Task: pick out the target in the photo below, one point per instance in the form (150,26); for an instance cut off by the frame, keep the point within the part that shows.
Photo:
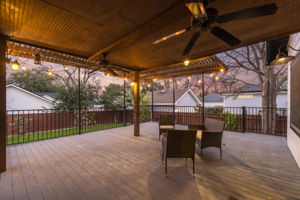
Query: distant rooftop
(214,97)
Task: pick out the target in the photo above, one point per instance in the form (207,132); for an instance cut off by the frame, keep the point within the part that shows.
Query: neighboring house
(20,99)
(251,96)
(213,100)
(184,99)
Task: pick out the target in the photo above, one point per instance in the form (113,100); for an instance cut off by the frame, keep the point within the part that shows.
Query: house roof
(254,89)
(213,98)
(28,92)
(166,97)
(50,94)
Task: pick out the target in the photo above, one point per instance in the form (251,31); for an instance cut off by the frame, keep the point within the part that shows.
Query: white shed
(20,99)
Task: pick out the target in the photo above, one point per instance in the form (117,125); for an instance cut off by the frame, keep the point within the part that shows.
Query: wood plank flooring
(113,164)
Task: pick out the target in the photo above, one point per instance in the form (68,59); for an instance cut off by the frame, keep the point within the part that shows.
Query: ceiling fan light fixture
(197,9)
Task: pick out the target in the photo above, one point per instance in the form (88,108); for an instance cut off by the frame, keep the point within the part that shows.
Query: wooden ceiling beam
(169,15)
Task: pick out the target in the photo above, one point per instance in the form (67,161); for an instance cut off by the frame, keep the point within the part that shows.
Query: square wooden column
(136,111)
(3,40)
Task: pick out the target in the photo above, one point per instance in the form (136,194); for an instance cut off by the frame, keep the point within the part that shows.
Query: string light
(132,84)
(161,83)
(186,62)
(217,78)
(222,70)
(155,79)
(49,73)
(178,82)
(189,78)
(148,85)
(66,68)
(211,75)
(141,87)
(24,68)
(15,65)
(199,81)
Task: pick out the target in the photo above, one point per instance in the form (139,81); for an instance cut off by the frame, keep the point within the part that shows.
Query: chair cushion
(166,127)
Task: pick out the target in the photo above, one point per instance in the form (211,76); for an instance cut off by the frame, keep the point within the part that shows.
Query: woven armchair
(212,134)
(166,122)
(179,144)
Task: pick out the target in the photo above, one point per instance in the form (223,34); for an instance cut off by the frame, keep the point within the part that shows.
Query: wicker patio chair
(179,144)
(166,122)
(212,134)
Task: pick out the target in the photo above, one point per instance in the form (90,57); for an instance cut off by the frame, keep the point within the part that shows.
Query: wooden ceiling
(126,29)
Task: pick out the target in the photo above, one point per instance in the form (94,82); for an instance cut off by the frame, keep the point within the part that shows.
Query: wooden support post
(173,80)
(136,112)
(79,101)
(152,108)
(203,102)
(124,101)
(3,40)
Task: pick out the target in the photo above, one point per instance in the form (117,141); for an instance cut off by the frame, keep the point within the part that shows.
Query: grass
(30,137)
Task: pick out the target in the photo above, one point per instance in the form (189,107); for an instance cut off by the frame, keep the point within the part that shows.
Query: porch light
(282,56)
(15,65)
(186,62)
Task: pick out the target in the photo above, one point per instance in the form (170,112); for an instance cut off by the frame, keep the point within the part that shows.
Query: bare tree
(247,65)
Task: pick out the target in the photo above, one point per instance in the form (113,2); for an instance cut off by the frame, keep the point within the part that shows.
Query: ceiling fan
(105,64)
(206,19)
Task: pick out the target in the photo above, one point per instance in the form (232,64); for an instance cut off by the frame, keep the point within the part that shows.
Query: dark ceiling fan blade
(108,67)
(172,35)
(191,43)
(267,9)
(225,36)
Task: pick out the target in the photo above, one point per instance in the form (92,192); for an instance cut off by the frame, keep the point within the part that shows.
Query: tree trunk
(269,95)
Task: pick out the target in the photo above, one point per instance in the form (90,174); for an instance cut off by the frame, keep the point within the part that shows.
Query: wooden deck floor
(113,164)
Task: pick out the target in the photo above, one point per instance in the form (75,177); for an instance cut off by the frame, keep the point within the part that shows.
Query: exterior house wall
(17,99)
(186,100)
(214,104)
(293,140)
(255,101)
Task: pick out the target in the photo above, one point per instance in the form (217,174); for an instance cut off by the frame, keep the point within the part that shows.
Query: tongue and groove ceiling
(126,29)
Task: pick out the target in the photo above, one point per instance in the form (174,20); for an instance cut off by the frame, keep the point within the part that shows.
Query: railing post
(244,122)
(152,109)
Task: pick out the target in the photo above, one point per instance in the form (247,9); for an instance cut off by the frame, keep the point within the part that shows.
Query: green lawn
(57,133)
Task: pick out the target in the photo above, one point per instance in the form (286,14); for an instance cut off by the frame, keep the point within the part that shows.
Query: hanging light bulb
(24,68)
(217,78)
(186,62)
(211,75)
(199,81)
(189,78)
(178,82)
(132,84)
(222,69)
(161,83)
(148,85)
(141,87)
(49,73)
(65,67)
(15,65)
(37,59)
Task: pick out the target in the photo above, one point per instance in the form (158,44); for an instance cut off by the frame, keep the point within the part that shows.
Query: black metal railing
(32,125)
(243,119)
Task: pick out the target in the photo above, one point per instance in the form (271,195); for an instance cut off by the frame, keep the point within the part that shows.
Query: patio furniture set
(178,142)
